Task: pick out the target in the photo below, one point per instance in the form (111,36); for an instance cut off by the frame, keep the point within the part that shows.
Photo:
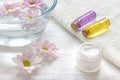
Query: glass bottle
(83,20)
(97,28)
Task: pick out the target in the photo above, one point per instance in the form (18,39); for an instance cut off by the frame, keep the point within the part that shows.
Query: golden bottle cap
(85,32)
(75,25)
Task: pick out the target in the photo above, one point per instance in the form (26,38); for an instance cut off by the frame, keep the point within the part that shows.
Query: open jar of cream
(88,57)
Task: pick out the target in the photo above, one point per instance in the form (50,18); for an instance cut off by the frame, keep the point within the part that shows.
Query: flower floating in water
(1,12)
(29,25)
(29,14)
(33,3)
(11,8)
(30,20)
(27,62)
(45,49)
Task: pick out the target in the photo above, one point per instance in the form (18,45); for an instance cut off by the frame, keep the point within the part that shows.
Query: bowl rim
(21,21)
(51,8)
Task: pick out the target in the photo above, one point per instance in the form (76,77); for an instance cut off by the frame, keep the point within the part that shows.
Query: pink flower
(33,3)
(29,14)
(12,8)
(29,20)
(45,49)
(28,25)
(1,12)
(27,62)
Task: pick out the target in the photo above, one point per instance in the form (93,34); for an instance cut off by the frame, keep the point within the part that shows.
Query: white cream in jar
(88,57)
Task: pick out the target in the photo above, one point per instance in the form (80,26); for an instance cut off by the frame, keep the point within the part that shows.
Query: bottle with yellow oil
(97,28)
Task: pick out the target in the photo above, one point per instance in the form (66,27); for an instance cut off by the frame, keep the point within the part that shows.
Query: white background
(63,68)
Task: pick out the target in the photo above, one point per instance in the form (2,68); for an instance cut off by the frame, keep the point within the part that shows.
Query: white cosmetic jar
(89,57)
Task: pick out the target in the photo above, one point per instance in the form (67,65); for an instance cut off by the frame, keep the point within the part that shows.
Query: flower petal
(18,60)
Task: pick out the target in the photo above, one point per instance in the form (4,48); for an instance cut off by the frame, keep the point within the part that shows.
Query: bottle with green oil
(98,28)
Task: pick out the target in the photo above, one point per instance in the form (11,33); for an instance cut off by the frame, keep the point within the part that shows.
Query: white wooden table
(64,67)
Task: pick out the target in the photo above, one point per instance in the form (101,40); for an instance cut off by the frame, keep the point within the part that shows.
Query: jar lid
(89,52)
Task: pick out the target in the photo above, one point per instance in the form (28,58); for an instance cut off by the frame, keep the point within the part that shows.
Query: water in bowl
(12,32)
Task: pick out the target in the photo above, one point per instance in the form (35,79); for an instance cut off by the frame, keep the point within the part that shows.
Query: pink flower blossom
(28,25)
(29,14)
(30,18)
(1,12)
(45,49)
(11,8)
(33,3)
(27,62)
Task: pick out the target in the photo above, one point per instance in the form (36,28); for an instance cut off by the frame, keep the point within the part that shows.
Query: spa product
(97,28)
(88,57)
(83,20)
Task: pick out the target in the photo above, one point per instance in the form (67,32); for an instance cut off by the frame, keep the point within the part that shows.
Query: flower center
(30,17)
(26,63)
(8,9)
(45,48)
(31,3)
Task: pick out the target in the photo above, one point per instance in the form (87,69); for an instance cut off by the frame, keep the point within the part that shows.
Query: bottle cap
(75,25)
(85,32)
